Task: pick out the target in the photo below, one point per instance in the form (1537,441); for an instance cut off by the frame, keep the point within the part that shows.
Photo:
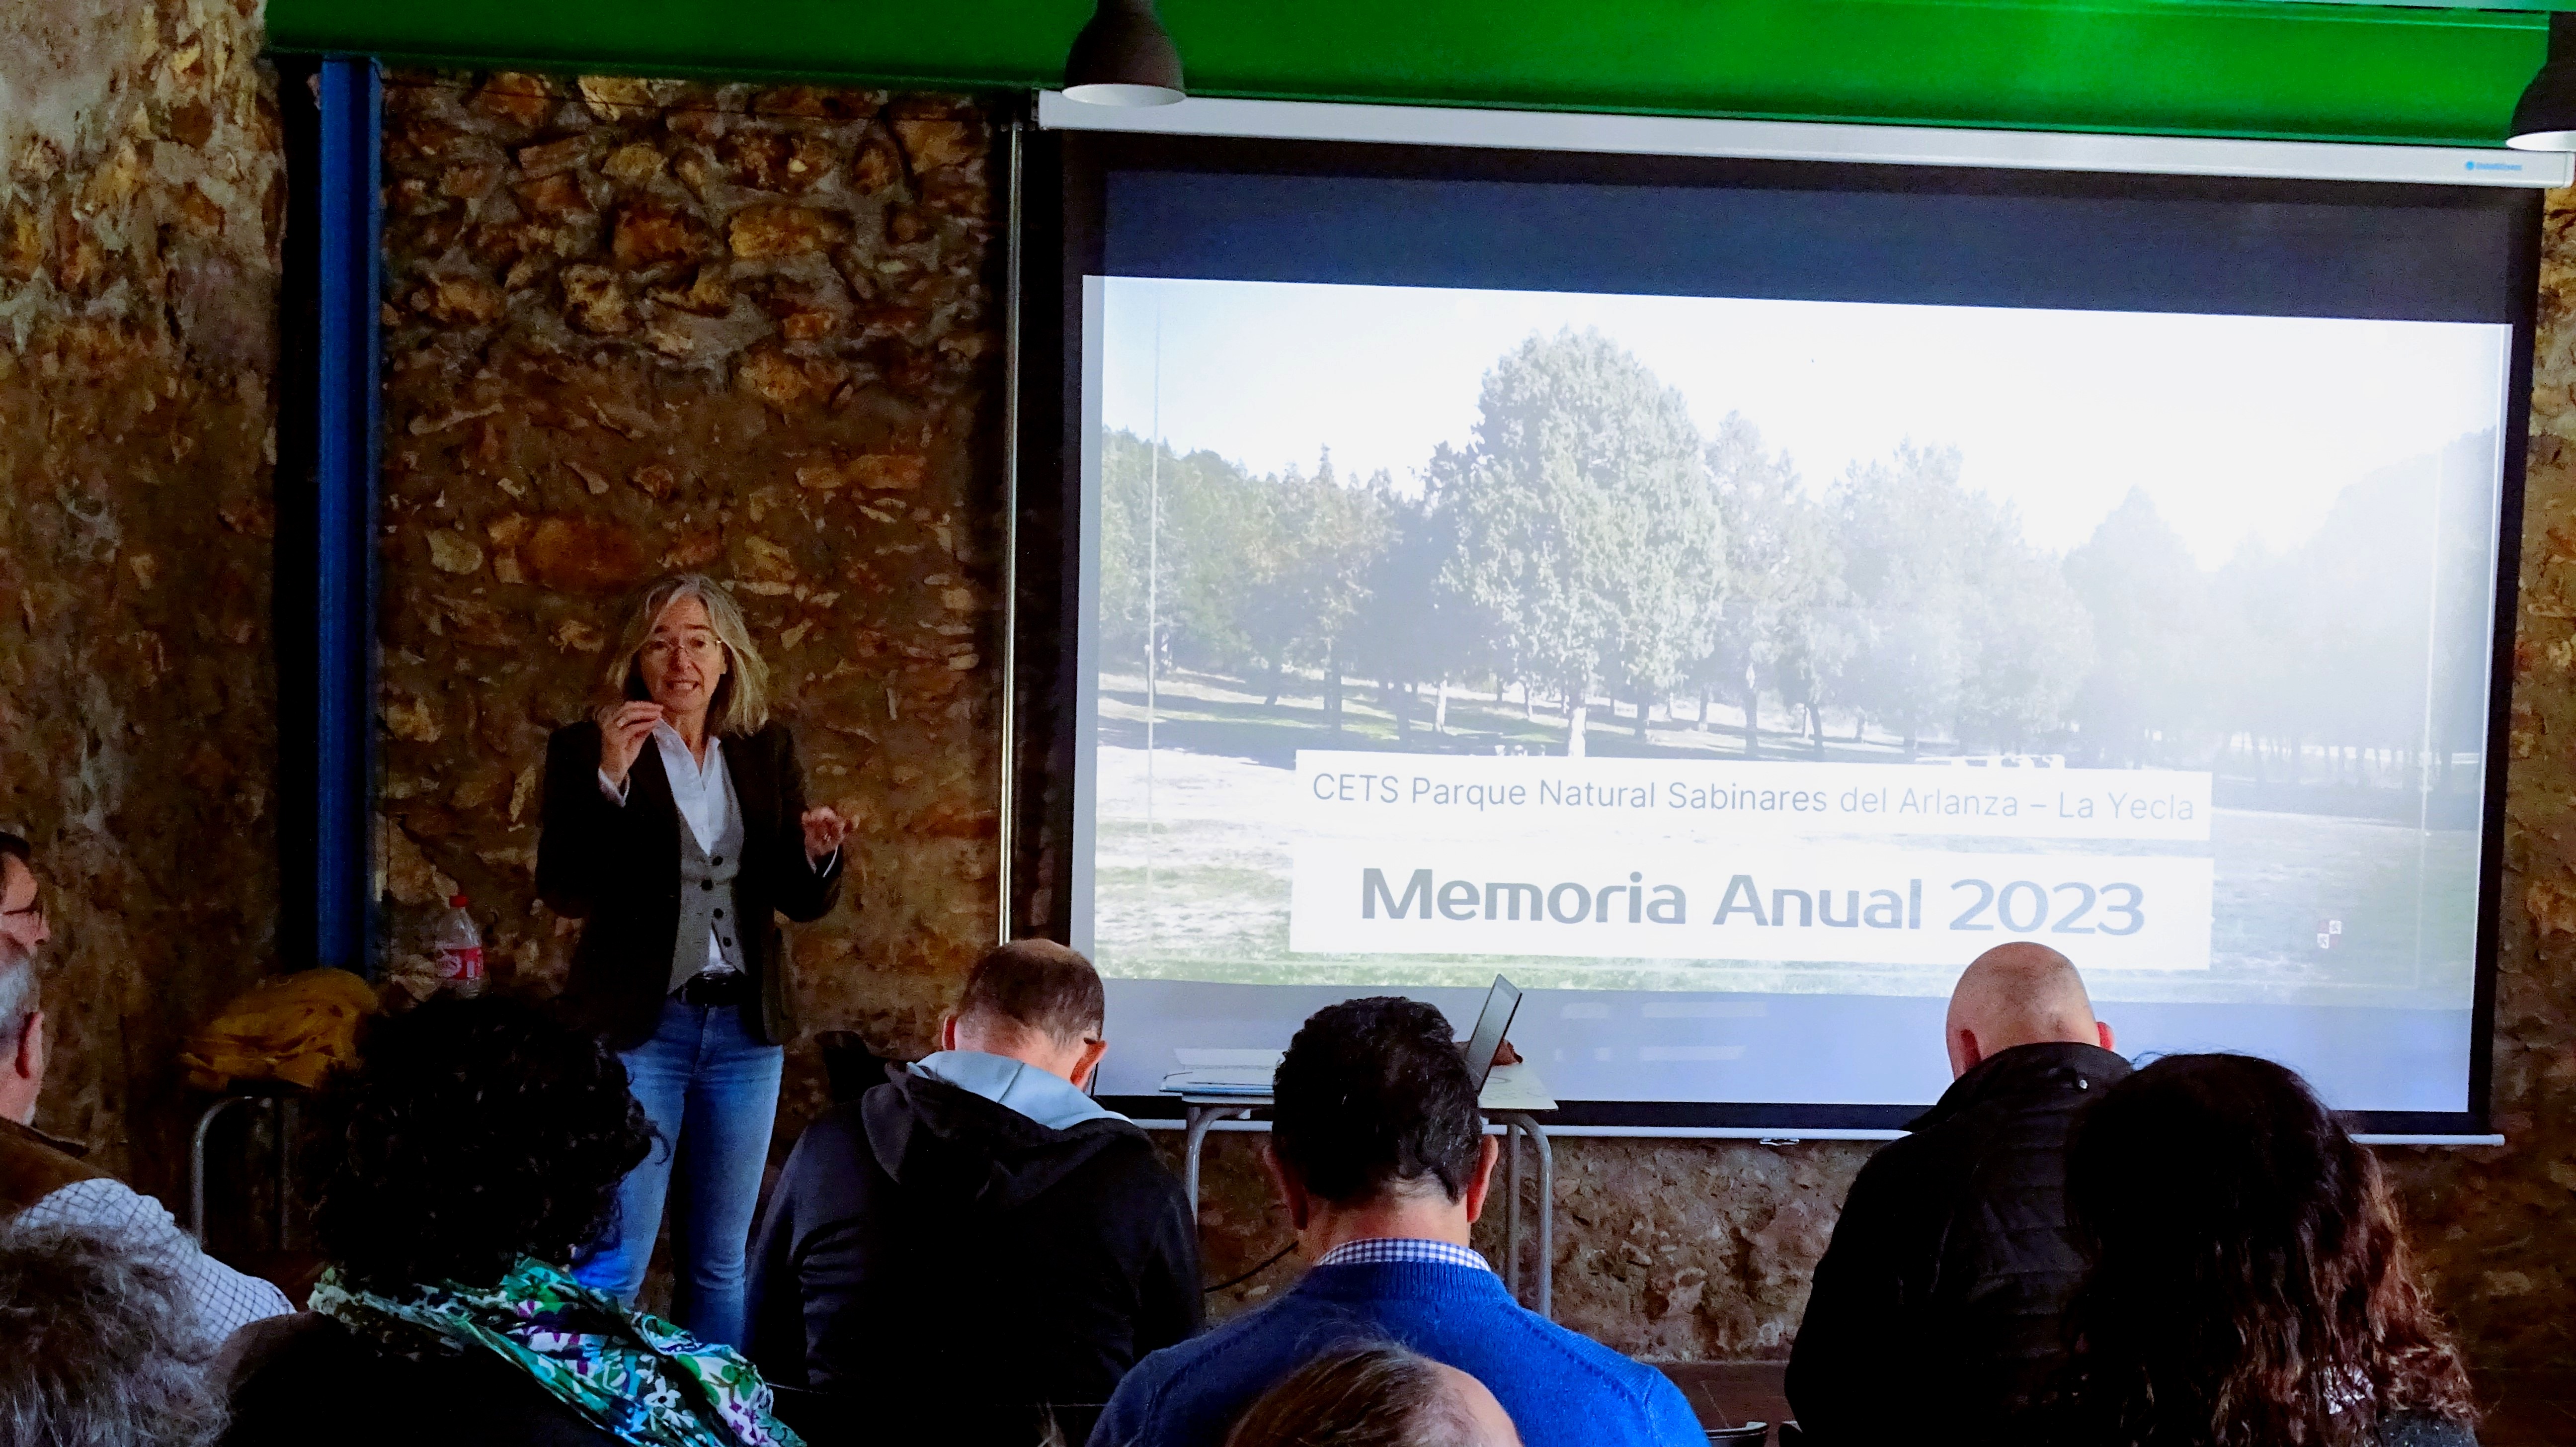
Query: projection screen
(1726,596)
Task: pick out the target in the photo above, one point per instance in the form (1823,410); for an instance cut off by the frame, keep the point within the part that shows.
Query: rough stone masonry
(639,326)
(142,199)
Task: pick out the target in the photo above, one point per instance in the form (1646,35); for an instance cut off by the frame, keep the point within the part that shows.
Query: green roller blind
(2194,67)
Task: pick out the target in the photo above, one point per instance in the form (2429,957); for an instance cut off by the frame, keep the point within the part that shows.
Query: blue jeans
(712,1093)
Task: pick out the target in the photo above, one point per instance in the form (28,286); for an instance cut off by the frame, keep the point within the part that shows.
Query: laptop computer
(1502,1002)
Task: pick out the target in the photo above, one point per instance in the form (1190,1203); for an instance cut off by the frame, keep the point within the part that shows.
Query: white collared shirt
(699,791)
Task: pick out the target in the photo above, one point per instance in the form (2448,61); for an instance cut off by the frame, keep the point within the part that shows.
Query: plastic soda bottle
(459,946)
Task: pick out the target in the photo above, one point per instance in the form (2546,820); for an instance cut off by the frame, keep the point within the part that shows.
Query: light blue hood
(1049,1100)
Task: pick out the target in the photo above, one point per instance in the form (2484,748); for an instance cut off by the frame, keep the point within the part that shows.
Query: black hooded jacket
(1936,1311)
(927,1244)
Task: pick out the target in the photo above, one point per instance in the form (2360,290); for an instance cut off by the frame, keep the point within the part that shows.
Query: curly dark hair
(1374,1094)
(2250,1285)
(470,1134)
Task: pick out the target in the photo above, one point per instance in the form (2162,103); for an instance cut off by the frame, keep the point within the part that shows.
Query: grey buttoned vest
(706,893)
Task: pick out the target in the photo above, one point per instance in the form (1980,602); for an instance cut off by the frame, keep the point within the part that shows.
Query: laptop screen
(1492,1023)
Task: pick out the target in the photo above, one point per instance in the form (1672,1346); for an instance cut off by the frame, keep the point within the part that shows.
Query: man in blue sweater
(1381,1158)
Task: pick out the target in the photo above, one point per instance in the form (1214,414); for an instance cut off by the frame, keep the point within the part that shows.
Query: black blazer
(619,868)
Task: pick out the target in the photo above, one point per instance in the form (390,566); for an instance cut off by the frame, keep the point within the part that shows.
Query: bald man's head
(2018,994)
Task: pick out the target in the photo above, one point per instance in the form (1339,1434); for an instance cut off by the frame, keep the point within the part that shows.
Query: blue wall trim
(349,182)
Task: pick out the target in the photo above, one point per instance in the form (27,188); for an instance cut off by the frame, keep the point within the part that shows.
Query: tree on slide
(1586,536)
(1772,602)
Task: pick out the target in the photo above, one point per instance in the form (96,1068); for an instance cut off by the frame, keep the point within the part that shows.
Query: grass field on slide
(1204,896)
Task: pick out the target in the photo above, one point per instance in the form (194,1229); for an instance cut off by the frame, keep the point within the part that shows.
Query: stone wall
(2492,1225)
(141,207)
(634,327)
(1671,1250)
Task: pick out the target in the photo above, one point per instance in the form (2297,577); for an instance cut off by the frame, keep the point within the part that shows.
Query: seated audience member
(1381,1159)
(94,1336)
(43,1181)
(2250,1281)
(977,1229)
(1375,1396)
(1938,1300)
(476,1144)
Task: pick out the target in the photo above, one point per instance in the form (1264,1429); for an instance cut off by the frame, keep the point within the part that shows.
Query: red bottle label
(458,965)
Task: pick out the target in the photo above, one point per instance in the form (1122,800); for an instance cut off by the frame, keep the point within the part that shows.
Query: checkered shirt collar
(1394,1250)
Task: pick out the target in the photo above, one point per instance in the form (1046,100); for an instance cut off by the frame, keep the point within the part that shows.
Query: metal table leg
(1517,1123)
(197,1163)
(1546,1219)
(1201,1117)
(282,1114)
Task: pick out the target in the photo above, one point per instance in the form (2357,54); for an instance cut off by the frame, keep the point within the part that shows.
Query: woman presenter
(676,827)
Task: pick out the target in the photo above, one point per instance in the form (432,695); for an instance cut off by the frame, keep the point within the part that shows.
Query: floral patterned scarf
(638,1376)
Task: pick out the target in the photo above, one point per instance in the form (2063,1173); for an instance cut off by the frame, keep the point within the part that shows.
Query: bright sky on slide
(2236,426)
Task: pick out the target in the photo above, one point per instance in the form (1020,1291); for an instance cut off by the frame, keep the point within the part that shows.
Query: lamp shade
(1124,57)
(2545,118)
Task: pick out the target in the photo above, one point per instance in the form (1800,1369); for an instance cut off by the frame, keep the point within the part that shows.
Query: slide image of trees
(1534,523)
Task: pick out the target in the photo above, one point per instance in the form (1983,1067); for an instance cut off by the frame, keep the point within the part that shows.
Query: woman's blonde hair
(741,703)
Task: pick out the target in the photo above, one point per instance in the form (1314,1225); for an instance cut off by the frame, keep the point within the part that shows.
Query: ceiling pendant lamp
(1124,57)
(2545,118)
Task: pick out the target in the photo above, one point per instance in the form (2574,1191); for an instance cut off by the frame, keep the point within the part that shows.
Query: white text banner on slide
(1770,903)
(1469,797)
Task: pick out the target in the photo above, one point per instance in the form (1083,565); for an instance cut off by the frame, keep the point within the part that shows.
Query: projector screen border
(1779,1123)
(1652,135)
(1760,1136)
(1064,177)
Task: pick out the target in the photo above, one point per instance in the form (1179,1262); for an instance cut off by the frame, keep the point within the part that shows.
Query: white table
(1513,1100)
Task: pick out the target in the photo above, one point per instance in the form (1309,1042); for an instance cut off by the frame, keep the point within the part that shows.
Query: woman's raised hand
(824,831)
(623,728)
